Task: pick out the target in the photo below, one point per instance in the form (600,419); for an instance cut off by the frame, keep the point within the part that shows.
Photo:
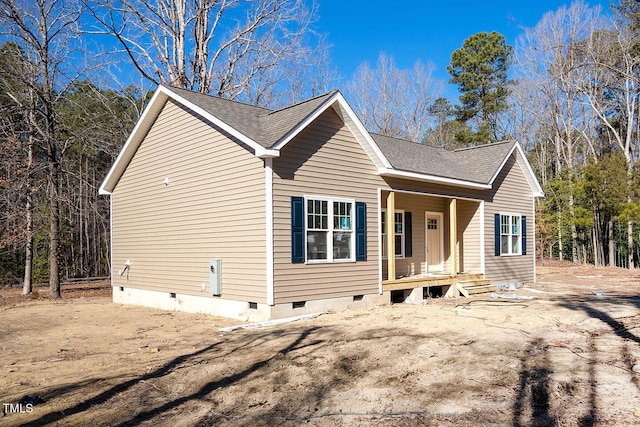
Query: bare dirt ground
(565,358)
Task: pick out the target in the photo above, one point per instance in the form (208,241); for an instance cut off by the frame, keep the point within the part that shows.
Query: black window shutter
(361,231)
(524,235)
(496,234)
(408,234)
(297,229)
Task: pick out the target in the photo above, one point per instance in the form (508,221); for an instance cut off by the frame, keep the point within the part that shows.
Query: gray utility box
(215,276)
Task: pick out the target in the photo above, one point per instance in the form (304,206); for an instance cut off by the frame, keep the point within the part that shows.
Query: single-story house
(231,209)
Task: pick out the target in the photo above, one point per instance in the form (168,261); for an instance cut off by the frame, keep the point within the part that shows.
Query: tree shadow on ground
(533,388)
(596,308)
(297,346)
(113,391)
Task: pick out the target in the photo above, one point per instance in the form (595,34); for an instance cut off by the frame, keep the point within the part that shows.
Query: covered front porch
(437,241)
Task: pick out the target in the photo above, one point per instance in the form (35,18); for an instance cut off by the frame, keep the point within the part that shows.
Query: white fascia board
(430,178)
(133,142)
(536,188)
(504,161)
(296,130)
(337,97)
(352,115)
(146,120)
(537,191)
(232,131)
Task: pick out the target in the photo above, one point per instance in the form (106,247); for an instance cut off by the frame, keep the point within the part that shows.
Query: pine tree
(479,68)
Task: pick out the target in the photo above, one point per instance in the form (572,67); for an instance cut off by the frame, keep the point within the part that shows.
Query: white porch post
(453,236)
(390,231)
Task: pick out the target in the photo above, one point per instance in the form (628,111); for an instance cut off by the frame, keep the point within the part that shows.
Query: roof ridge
(490,144)
(332,92)
(395,138)
(217,97)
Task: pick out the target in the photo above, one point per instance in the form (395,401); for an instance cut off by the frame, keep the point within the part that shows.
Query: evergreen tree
(479,68)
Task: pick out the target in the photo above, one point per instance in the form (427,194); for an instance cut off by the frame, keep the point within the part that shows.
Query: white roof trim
(367,136)
(296,130)
(145,122)
(536,188)
(431,178)
(231,130)
(127,145)
(337,97)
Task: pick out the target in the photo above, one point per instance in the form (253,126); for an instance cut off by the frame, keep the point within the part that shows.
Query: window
(329,230)
(510,234)
(399,230)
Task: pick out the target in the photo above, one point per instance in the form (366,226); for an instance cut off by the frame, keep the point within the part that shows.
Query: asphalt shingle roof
(483,161)
(475,164)
(262,125)
(267,127)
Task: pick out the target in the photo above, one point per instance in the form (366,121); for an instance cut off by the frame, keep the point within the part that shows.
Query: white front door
(434,241)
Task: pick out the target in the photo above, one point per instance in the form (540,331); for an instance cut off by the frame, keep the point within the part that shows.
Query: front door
(434,241)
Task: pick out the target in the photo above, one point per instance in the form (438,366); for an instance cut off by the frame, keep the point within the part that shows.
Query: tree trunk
(612,247)
(54,231)
(594,244)
(560,246)
(574,230)
(27,285)
(630,245)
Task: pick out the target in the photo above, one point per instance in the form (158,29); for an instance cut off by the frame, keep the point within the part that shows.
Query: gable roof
(473,167)
(264,126)
(476,165)
(267,131)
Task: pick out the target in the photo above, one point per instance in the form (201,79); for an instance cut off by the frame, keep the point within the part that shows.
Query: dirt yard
(566,357)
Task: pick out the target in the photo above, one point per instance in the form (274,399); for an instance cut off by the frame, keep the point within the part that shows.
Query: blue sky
(424,30)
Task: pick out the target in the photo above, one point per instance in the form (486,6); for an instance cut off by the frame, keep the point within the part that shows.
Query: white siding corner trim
(482,239)
(268,179)
(533,227)
(111,240)
(379,231)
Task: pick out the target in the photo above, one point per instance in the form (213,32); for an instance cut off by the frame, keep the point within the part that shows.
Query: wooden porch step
(477,286)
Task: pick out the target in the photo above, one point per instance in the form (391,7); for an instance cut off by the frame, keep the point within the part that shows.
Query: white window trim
(330,230)
(510,215)
(384,233)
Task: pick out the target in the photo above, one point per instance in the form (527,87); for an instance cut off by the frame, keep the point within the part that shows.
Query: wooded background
(568,90)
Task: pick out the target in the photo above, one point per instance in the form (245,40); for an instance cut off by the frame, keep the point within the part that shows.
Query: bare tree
(394,102)
(546,56)
(45,30)
(610,84)
(16,144)
(306,74)
(230,48)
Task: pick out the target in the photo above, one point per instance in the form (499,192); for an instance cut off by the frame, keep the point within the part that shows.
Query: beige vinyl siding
(512,194)
(213,207)
(323,160)
(469,224)
(417,205)
(469,238)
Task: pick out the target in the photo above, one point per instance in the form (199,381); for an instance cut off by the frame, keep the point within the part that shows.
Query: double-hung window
(399,234)
(329,229)
(510,234)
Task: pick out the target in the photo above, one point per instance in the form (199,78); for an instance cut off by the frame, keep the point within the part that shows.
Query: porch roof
(477,164)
